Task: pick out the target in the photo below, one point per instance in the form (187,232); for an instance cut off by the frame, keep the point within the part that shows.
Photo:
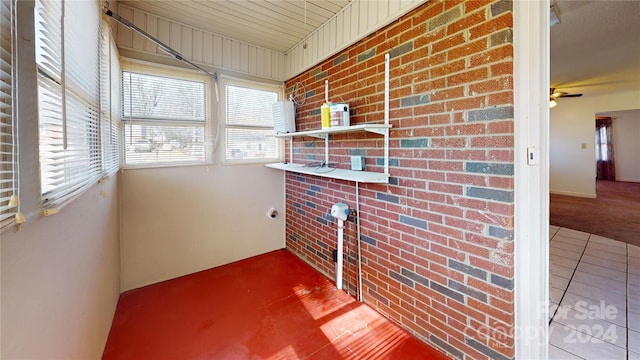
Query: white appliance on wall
(284,117)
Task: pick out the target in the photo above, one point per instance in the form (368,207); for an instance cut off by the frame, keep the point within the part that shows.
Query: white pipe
(340,250)
(358,242)
(326,91)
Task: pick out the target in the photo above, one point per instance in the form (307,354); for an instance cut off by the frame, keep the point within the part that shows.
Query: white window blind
(8,181)
(68,60)
(249,124)
(109,102)
(165,119)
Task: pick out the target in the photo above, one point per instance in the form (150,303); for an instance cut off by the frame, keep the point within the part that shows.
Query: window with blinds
(68,52)
(249,124)
(109,102)
(165,119)
(8,180)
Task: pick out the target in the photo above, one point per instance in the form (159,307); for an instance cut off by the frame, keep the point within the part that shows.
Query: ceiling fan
(553,95)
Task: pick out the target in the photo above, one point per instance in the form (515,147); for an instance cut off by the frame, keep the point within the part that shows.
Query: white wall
(626,144)
(60,274)
(60,280)
(572,169)
(180,220)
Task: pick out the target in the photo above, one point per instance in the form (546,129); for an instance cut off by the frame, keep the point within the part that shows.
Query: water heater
(284,117)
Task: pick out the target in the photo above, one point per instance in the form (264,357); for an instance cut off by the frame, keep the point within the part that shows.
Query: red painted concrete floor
(272,306)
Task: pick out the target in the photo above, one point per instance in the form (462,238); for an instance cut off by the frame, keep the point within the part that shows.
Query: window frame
(153,69)
(223,126)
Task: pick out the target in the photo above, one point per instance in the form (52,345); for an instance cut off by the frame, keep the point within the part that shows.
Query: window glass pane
(247,106)
(161,98)
(152,143)
(249,124)
(251,144)
(165,119)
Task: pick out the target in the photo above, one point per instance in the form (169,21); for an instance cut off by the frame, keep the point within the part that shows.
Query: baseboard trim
(628,180)
(569,193)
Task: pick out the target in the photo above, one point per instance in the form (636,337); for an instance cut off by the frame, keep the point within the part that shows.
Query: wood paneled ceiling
(273,24)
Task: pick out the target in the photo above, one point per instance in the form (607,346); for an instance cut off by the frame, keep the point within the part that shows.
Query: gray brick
(297,205)
(402,49)
(314,112)
(447,292)
(489,168)
(301,212)
(501,6)
(310,157)
(340,59)
(393,180)
(321,75)
(309,94)
(400,278)
(316,188)
(414,222)
(379,297)
(301,178)
(387,197)
(392,162)
(322,256)
(310,144)
(502,282)
(445,18)
(492,354)
(311,249)
(315,71)
(414,100)
(492,113)
(322,244)
(321,220)
(367,55)
(478,295)
(500,233)
(446,347)
(415,277)
(468,269)
(311,205)
(358,152)
(414,143)
(368,240)
(490,194)
(295,237)
(502,37)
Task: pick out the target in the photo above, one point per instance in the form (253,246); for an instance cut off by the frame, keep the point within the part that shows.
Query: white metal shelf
(333,173)
(343,174)
(381,129)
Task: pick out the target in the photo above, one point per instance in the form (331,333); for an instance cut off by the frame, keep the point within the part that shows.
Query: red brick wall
(437,241)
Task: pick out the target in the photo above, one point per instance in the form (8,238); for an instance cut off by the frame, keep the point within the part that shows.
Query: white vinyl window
(249,134)
(8,179)
(165,118)
(68,60)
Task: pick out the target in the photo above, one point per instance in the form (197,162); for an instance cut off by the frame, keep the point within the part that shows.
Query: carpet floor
(614,214)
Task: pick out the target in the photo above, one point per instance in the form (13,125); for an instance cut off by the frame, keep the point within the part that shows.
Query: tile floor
(594,297)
